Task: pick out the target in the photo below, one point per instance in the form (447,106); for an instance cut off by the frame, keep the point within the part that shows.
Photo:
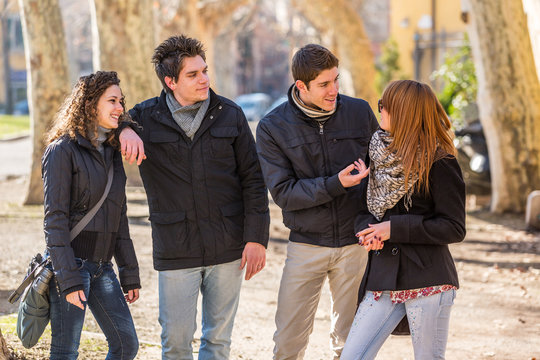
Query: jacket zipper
(326,162)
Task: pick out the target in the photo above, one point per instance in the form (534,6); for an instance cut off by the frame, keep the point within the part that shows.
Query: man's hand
(254,256)
(347,179)
(132,296)
(76,298)
(131,146)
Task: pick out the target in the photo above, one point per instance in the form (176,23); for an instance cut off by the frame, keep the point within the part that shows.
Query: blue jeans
(178,293)
(374,321)
(108,305)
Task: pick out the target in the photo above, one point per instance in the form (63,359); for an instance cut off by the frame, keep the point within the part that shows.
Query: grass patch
(93,345)
(13,125)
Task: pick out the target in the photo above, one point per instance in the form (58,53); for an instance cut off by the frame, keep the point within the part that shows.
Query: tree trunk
(532,9)
(48,79)
(4,351)
(204,22)
(508,99)
(344,28)
(123,34)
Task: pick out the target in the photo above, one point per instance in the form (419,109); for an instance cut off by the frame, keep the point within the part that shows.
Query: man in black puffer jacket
(307,147)
(207,199)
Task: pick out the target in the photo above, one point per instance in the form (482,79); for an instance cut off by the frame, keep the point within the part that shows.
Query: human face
(193,82)
(385,117)
(109,107)
(323,90)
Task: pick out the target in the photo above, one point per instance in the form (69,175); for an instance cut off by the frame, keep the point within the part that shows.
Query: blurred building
(12,63)
(425,31)
(76,18)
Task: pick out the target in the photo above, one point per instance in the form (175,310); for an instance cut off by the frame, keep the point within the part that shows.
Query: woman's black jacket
(417,254)
(74,179)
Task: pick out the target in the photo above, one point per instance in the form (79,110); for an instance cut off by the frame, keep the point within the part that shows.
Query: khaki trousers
(306,269)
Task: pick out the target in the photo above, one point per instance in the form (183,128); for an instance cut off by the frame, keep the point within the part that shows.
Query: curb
(14,137)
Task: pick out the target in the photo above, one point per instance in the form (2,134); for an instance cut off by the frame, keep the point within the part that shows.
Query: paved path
(15,157)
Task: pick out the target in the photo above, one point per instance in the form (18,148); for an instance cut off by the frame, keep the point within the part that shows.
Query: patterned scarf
(386,184)
(188,117)
(314,113)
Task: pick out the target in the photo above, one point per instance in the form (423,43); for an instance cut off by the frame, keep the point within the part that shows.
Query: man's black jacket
(207,197)
(301,158)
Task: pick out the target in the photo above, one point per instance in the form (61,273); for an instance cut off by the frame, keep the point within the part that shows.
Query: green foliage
(11,125)
(460,85)
(388,65)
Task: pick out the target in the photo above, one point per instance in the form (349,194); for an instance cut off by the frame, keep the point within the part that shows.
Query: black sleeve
(255,196)
(446,224)
(57,171)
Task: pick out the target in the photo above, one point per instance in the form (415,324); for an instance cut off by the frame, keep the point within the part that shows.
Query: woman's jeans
(374,321)
(108,305)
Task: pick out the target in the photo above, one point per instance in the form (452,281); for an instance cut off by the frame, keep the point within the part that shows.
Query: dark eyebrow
(196,71)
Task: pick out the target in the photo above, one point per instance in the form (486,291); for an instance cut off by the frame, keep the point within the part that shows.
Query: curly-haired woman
(75,166)
(416,196)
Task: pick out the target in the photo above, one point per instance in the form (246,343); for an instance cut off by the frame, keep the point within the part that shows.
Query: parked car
(21,108)
(280,100)
(254,105)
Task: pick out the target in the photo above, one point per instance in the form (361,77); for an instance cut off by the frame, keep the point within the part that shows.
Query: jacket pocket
(352,144)
(418,255)
(222,141)
(170,236)
(233,223)
(313,220)
(163,145)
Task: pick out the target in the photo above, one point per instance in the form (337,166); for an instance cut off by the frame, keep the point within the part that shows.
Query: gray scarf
(386,184)
(102,135)
(314,113)
(189,117)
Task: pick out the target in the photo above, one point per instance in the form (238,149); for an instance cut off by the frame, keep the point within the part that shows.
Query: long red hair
(419,126)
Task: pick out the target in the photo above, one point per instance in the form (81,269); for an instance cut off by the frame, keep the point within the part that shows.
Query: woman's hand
(76,298)
(373,237)
(132,296)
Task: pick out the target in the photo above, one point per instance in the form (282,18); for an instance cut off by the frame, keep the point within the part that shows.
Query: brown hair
(420,128)
(310,61)
(78,114)
(168,58)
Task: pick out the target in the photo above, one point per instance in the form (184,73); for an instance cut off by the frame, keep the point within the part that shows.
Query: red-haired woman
(416,196)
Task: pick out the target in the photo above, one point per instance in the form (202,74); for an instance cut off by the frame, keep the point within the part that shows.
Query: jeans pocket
(447,297)
(80,263)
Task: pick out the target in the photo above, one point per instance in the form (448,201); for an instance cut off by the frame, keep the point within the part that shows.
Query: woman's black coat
(417,254)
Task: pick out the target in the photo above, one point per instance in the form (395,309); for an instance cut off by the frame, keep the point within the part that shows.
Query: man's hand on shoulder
(254,256)
(132,146)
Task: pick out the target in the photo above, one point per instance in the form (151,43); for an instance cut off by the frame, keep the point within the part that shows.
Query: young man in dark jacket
(207,199)
(307,148)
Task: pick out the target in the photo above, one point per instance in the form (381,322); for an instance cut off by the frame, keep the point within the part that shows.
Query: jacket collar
(163,115)
(300,114)
(107,154)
